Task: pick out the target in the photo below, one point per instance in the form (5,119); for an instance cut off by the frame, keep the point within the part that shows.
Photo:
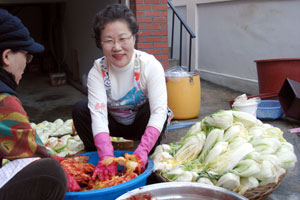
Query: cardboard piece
(289,97)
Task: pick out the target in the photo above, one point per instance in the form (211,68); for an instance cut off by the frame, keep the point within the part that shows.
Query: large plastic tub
(113,192)
(273,72)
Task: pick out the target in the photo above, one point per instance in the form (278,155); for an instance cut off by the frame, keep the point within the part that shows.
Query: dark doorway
(45,24)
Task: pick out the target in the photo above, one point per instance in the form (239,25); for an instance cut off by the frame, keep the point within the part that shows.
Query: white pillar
(191,19)
(191,11)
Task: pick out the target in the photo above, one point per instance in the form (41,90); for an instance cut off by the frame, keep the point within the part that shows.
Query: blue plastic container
(113,192)
(269,109)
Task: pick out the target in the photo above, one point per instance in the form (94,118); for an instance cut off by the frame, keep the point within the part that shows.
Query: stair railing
(187,28)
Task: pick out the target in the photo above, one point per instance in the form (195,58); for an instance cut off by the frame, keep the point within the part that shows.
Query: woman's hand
(105,169)
(141,159)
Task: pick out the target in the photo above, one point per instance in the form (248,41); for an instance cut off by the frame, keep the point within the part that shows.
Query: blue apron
(125,109)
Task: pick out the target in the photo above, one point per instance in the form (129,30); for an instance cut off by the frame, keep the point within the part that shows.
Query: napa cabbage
(221,120)
(228,160)
(266,145)
(218,149)
(246,168)
(229,181)
(191,148)
(287,158)
(213,138)
(237,129)
(247,183)
(245,118)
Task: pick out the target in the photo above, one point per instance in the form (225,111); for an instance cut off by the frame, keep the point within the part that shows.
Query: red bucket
(273,72)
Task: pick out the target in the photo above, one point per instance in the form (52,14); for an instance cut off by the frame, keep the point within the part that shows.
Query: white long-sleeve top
(152,80)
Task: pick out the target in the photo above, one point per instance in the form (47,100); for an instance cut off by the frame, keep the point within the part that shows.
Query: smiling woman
(117,43)
(127,94)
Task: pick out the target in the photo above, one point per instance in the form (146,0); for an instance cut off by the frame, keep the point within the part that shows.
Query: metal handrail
(187,28)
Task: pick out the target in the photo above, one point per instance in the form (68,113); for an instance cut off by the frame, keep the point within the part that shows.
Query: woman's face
(117,43)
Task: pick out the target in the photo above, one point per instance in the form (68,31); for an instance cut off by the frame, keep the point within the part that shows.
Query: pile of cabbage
(58,137)
(230,149)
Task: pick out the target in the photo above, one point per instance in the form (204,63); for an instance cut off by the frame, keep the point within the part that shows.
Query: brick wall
(152,16)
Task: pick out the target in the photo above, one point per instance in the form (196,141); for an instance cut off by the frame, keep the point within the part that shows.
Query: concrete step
(172,61)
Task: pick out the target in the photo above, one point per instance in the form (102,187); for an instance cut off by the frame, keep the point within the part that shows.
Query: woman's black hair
(111,13)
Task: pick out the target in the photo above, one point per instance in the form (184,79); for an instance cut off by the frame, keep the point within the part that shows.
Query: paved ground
(45,102)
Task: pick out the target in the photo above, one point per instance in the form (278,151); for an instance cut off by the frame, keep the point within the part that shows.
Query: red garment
(17,138)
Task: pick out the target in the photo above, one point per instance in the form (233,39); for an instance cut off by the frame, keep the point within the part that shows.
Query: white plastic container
(249,108)
(244,104)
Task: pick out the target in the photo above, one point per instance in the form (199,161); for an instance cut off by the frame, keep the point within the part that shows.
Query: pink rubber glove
(105,150)
(148,140)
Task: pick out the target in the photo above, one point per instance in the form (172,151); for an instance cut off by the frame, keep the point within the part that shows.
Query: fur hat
(14,35)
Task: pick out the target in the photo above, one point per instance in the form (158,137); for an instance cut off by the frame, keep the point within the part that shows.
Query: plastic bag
(177,71)
(243,100)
